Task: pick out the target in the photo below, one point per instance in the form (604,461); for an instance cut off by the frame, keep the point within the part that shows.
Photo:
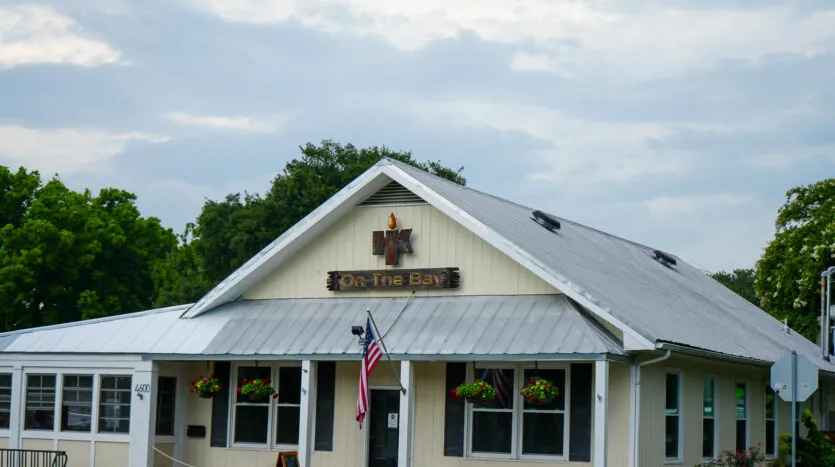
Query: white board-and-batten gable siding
(437,241)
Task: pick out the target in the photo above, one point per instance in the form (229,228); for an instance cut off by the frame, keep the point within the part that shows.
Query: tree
(66,255)
(741,281)
(788,274)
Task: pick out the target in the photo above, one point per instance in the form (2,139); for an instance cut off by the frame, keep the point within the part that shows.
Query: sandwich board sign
(807,378)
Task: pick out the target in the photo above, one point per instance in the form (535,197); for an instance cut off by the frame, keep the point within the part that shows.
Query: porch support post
(601,412)
(308,411)
(406,423)
(16,407)
(143,414)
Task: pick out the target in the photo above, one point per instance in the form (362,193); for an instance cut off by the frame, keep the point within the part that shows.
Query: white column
(601,412)
(143,414)
(16,407)
(308,411)
(406,422)
(181,410)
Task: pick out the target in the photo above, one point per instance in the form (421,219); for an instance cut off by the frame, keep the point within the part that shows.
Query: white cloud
(255,125)
(65,150)
(666,207)
(569,37)
(595,151)
(33,34)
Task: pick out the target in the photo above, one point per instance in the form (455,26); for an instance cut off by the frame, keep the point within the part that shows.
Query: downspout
(635,406)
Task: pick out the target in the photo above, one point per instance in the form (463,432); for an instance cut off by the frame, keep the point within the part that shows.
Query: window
(672,444)
(5,400)
(709,418)
(509,426)
(741,416)
(40,402)
(114,404)
(268,421)
(166,392)
(77,403)
(543,426)
(492,422)
(770,422)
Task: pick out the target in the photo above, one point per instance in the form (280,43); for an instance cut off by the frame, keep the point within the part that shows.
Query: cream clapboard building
(657,363)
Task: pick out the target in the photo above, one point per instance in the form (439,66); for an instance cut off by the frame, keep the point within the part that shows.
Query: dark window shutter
(220,406)
(325,391)
(579,424)
(455,411)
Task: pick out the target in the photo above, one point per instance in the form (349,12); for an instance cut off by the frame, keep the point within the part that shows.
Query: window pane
(114,404)
(5,399)
(741,435)
(290,385)
(741,399)
(251,424)
(492,431)
(502,380)
(557,378)
(287,431)
(672,394)
(76,404)
(250,373)
(40,402)
(770,400)
(707,438)
(769,438)
(671,439)
(707,397)
(543,433)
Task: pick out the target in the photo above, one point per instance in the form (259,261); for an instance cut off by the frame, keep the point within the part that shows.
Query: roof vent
(664,258)
(393,193)
(546,221)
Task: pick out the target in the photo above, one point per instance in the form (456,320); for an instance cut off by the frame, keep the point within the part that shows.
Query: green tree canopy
(66,255)
(741,281)
(788,274)
(230,231)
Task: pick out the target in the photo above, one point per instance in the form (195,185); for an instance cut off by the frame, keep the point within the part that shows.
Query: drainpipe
(826,303)
(635,406)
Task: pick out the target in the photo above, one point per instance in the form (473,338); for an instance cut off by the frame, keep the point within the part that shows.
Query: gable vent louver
(393,193)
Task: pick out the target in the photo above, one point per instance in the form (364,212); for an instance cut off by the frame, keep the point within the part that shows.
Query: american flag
(371,354)
(504,386)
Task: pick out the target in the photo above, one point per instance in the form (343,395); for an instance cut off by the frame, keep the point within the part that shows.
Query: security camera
(357,330)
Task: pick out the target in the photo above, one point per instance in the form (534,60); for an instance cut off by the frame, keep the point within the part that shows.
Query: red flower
(244,380)
(275,396)
(239,390)
(532,381)
(205,381)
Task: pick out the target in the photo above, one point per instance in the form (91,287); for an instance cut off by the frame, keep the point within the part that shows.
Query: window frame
(56,403)
(174,394)
(747,418)
(715,417)
(4,432)
(272,407)
(518,412)
(56,433)
(60,416)
(776,412)
(680,415)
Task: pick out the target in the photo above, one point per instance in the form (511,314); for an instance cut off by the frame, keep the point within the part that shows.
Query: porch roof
(454,327)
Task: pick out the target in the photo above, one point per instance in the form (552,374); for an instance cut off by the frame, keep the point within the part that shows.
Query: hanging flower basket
(477,391)
(257,390)
(539,391)
(206,388)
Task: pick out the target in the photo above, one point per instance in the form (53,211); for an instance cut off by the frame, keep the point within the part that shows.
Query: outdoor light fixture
(664,258)
(357,331)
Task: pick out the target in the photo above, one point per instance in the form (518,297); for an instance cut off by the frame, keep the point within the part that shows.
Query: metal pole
(828,310)
(380,339)
(794,408)
(823,317)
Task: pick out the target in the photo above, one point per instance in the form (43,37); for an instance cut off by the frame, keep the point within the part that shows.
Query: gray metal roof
(679,305)
(531,325)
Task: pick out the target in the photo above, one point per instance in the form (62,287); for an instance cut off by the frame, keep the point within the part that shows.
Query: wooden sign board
(287,459)
(406,279)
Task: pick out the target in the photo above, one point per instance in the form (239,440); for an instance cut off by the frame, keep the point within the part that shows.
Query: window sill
(673,462)
(75,436)
(529,459)
(262,447)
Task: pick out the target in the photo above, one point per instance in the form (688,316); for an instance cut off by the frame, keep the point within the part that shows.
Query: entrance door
(384,414)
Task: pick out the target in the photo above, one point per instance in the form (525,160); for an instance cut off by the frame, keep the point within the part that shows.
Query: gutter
(635,405)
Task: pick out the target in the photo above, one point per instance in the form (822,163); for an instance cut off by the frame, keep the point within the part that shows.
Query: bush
(751,457)
(815,450)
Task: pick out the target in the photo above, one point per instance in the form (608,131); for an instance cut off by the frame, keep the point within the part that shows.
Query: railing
(32,458)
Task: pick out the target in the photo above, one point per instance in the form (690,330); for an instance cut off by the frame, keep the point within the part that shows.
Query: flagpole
(380,339)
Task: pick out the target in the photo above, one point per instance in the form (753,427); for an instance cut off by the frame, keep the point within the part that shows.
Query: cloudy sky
(678,123)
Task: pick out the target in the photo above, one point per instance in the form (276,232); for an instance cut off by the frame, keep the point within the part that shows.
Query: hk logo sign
(392,242)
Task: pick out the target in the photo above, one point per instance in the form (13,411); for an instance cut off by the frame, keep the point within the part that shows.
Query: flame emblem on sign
(392,242)
(392,222)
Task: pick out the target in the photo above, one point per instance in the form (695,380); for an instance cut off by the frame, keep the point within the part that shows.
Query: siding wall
(112,454)
(437,242)
(78,452)
(652,429)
